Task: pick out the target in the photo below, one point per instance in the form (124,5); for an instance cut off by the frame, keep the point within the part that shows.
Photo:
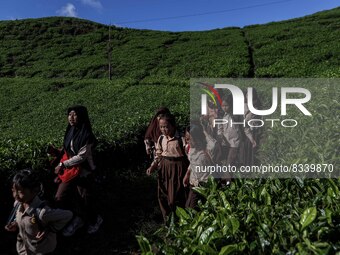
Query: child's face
(23,195)
(165,127)
(72,118)
(225,107)
(187,137)
(212,112)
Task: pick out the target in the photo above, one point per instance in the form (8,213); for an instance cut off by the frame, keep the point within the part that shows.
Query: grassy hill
(73,48)
(68,61)
(306,47)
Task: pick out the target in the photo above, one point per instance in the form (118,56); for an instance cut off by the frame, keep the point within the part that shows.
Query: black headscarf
(81,133)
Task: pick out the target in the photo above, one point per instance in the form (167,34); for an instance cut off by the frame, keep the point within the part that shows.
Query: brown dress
(173,165)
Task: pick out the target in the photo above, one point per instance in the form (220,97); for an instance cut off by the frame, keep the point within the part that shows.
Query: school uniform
(231,135)
(247,150)
(199,161)
(80,186)
(214,148)
(32,220)
(173,164)
(84,155)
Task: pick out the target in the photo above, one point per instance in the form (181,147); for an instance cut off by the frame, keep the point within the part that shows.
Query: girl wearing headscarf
(153,132)
(74,171)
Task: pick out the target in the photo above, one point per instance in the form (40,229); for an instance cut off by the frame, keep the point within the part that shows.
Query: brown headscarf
(153,132)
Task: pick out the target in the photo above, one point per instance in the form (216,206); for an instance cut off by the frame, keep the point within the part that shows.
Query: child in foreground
(37,223)
(172,163)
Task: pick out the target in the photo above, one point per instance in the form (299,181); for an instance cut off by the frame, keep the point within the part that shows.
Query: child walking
(199,158)
(172,163)
(230,133)
(250,144)
(37,223)
(75,171)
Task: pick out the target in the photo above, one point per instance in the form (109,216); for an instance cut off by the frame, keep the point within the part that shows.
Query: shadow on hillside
(127,201)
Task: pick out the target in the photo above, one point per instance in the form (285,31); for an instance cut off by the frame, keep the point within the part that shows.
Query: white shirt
(199,161)
(231,133)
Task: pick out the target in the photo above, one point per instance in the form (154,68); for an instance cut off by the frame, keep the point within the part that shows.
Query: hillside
(73,48)
(306,47)
(68,47)
(61,61)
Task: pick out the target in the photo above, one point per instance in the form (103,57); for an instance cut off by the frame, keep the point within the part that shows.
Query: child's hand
(58,169)
(150,169)
(148,151)
(12,227)
(41,235)
(186,180)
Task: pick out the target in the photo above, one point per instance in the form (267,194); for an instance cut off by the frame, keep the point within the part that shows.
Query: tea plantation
(49,64)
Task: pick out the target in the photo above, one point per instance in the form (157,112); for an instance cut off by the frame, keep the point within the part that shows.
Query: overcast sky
(172,15)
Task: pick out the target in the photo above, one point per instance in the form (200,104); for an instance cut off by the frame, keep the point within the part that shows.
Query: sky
(170,15)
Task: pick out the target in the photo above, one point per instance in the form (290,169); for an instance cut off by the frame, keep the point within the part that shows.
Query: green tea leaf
(182,214)
(229,249)
(329,216)
(226,204)
(144,245)
(234,223)
(308,217)
(205,236)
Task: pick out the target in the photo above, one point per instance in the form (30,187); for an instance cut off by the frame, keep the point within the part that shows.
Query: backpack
(180,142)
(34,214)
